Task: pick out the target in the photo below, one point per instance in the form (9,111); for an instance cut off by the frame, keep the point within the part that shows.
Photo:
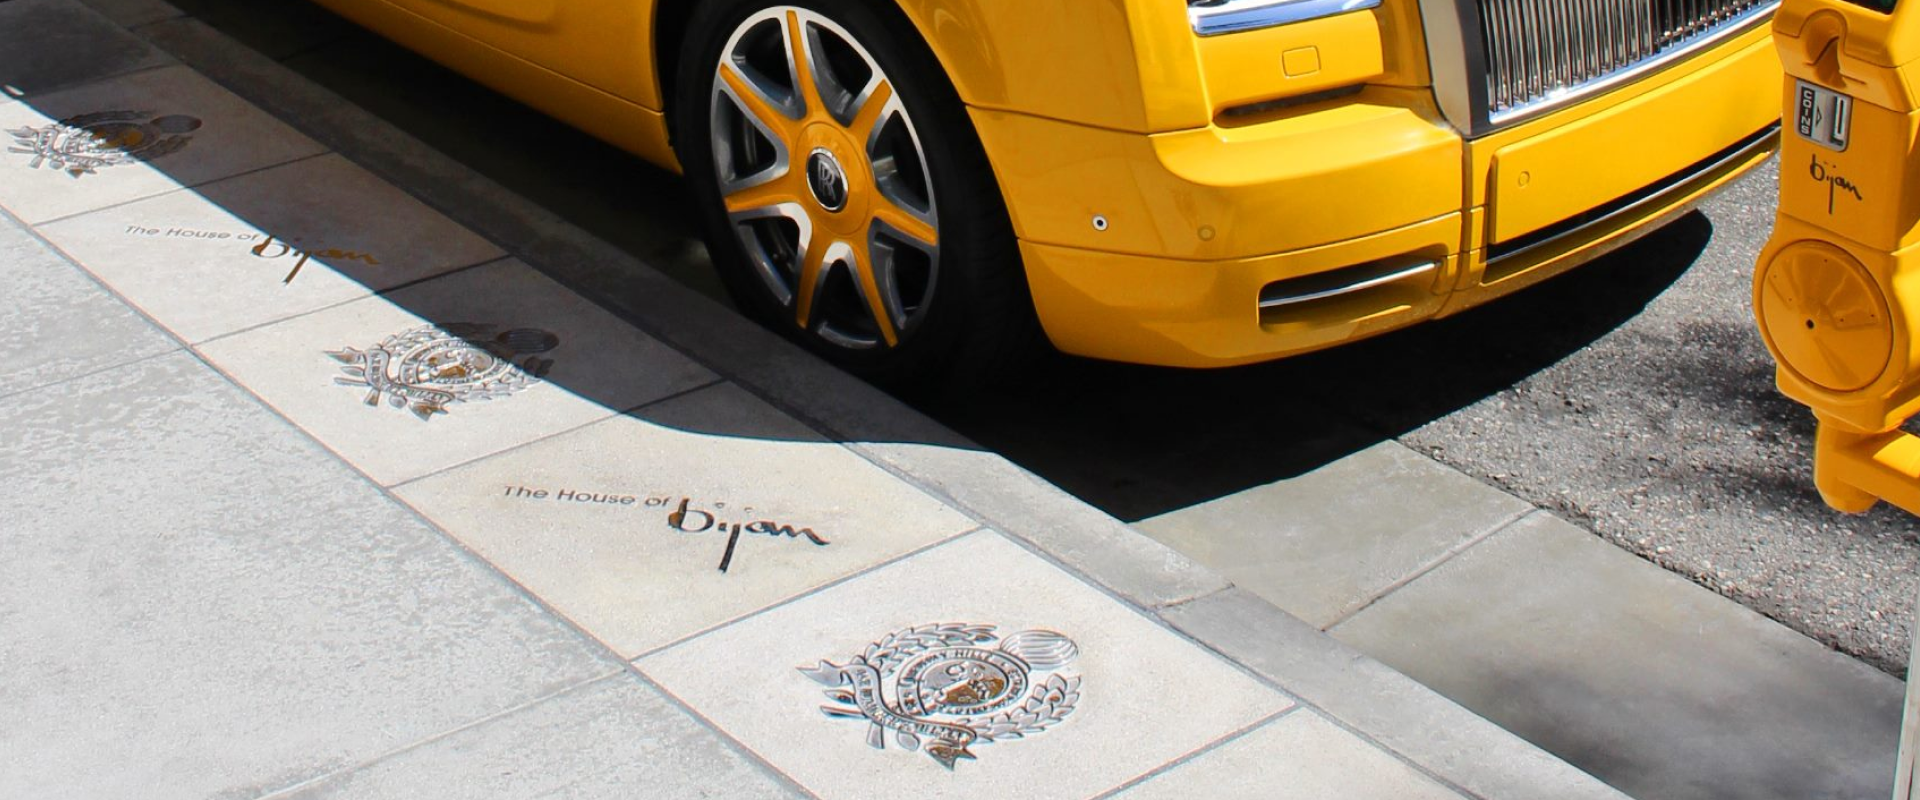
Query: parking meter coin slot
(1822,116)
(1856,181)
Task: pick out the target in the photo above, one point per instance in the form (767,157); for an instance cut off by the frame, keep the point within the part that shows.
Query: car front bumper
(1334,221)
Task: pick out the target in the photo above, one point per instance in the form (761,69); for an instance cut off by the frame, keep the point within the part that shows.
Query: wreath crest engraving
(84,144)
(428,368)
(946,687)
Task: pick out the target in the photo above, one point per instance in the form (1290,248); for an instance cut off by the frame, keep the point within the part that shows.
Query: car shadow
(1141,441)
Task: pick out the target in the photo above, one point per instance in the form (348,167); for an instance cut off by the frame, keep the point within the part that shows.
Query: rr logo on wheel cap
(827,180)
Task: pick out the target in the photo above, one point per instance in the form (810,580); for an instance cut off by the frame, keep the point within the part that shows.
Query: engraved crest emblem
(946,687)
(428,368)
(84,144)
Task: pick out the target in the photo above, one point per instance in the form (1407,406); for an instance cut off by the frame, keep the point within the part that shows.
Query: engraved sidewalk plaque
(428,368)
(84,144)
(949,686)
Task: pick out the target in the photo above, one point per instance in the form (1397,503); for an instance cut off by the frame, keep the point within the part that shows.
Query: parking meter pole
(1836,292)
(1903,788)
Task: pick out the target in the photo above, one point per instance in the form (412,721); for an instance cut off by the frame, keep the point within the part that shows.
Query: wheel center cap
(827,180)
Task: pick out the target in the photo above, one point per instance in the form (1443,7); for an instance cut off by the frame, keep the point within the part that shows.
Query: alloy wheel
(824,179)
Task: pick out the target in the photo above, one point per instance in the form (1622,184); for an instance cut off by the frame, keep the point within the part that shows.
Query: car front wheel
(847,200)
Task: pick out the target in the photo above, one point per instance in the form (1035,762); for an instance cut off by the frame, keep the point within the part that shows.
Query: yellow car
(914,187)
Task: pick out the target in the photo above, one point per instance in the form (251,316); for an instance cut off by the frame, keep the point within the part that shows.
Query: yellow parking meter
(1837,290)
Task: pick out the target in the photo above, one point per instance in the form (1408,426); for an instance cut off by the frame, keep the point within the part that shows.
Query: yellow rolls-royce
(914,187)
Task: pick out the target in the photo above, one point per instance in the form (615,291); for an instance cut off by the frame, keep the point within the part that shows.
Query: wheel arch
(998,57)
(668,36)
(953,31)
(962,58)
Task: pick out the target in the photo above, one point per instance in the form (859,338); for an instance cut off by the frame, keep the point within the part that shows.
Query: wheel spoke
(781,190)
(756,106)
(867,118)
(773,258)
(813,272)
(886,276)
(864,271)
(805,82)
(905,222)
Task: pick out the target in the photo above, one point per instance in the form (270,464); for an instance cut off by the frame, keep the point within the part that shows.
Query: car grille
(1542,52)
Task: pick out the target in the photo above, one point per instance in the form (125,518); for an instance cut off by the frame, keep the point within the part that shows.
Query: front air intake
(1541,52)
(1498,62)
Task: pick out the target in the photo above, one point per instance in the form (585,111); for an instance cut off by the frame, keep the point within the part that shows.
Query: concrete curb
(1438,736)
(1400,714)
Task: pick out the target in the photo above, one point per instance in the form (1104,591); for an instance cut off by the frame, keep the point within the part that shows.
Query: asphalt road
(1632,396)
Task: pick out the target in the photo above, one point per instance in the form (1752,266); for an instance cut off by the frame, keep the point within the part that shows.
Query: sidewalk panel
(196,601)
(60,323)
(583,520)
(599,367)
(46,45)
(1146,697)
(613,739)
(178,129)
(265,246)
(1324,544)
(133,13)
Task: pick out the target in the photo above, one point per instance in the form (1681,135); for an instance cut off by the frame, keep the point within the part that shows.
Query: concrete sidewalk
(321,484)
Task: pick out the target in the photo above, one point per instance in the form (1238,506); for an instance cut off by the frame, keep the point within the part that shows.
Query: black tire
(976,324)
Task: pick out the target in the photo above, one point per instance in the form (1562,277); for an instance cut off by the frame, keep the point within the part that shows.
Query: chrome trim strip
(1360,286)
(1458,62)
(1215,17)
(1707,39)
(1767,139)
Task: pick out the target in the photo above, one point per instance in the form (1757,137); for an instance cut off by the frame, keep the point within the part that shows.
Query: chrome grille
(1542,52)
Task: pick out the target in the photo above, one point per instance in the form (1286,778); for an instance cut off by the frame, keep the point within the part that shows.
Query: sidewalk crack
(1428,568)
